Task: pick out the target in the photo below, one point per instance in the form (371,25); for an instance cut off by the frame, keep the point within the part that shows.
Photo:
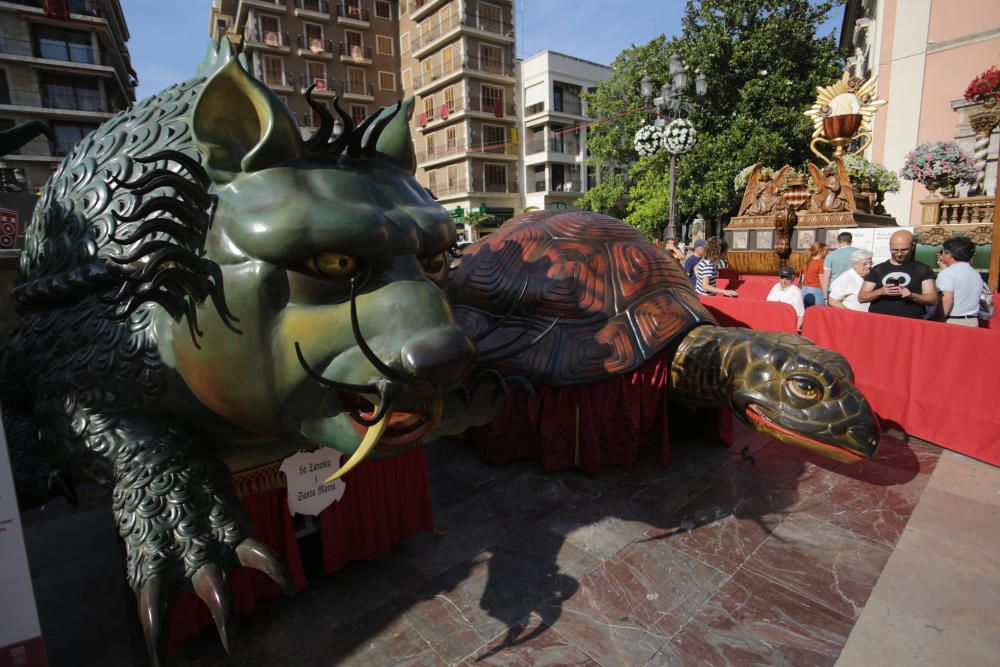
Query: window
(383,45)
(449,99)
(491,59)
(407,79)
(311,5)
(427,70)
(65,92)
(353,9)
(270,29)
(432,181)
(386,81)
(358,113)
(404,43)
(314,37)
(402,7)
(452,177)
(430,146)
(491,100)
(69,135)
(450,138)
(540,178)
(448,63)
(490,17)
(444,18)
(383,10)
(4,90)
(494,138)
(274,70)
(495,177)
(356,82)
(316,74)
(61,44)
(429,108)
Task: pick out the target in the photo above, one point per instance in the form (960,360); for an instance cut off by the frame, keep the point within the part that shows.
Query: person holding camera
(900,286)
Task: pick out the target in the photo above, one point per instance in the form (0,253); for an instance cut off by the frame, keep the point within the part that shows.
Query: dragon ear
(238,124)
(394,142)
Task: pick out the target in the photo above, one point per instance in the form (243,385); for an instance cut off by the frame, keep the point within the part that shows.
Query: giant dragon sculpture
(197,274)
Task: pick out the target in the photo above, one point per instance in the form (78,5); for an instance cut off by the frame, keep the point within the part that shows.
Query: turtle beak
(857,442)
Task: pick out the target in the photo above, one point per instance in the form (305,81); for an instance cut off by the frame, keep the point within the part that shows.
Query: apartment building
(457,58)
(346,49)
(553,127)
(63,62)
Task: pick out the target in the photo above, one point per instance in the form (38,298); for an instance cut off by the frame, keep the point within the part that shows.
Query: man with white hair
(844,290)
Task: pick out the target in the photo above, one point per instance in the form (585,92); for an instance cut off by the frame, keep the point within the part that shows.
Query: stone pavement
(785,559)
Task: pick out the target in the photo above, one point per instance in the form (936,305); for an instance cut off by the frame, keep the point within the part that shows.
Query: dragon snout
(442,356)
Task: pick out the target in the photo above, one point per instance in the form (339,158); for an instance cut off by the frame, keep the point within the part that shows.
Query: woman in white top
(786,291)
(844,290)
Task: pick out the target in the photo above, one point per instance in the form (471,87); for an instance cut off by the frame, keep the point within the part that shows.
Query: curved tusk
(372,436)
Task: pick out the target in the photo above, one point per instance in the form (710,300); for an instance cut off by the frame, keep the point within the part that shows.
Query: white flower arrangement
(680,136)
(649,140)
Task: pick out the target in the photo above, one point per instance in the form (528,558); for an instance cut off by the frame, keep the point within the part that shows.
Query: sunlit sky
(169,37)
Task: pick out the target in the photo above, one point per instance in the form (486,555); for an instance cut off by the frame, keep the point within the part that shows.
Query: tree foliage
(763,60)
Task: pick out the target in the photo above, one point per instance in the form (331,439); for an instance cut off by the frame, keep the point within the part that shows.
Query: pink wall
(951,20)
(946,75)
(884,70)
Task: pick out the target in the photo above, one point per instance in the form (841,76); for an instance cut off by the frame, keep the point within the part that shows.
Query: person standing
(813,293)
(693,259)
(706,271)
(960,284)
(844,290)
(786,291)
(900,285)
(838,261)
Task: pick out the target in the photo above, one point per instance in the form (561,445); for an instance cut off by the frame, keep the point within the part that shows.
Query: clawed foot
(209,583)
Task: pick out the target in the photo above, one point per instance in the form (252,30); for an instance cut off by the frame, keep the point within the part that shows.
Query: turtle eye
(332,265)
(802,388)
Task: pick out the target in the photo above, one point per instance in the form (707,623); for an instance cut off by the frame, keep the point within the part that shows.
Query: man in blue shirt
(692,260)
(838,261)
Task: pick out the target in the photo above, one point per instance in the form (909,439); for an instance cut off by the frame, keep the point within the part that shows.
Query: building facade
(925,53)
(457,59)
(346,49)
(64,63)
(553,120)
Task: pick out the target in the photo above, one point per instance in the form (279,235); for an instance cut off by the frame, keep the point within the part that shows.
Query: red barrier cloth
(272,525)
(751,313)
(936,381)
(748,286)
(386,502)
(989,324)
(586,426)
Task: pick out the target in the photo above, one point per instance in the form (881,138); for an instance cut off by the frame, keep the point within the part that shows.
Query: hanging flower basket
(649,140)
(985,88)
(939,164)
(680,136)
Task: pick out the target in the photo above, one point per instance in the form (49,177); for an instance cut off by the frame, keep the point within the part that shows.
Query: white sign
(20,633)
(875,239)
(305,472)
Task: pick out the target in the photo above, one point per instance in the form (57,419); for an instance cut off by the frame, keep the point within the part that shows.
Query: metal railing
(495,107)
(451,188)
(423,38)
(314,45)
(77,99)
(509,185)
(573,106)
(567,146)
(444,150)
(490,66)
(352,12)
(356,51)
(322,85)
(319,6)
(85,54)
(437,72)
(269,38)
(355,88)
(488,25)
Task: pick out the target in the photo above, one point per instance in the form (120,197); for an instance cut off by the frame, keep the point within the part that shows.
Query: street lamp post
(669,103)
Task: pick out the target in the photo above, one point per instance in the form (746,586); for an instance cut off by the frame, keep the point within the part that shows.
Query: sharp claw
(211,587)
(252,553)
(153,615)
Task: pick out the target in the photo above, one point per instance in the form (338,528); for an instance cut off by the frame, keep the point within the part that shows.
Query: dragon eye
(432,263)
(332,264)
(803,388)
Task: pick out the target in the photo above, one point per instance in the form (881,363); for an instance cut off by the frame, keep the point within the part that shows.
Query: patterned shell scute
(618,298)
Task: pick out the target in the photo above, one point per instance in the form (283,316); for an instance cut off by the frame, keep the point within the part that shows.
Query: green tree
(764,60)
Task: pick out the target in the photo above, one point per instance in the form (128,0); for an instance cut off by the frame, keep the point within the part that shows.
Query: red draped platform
(751,313)
(384,503)
(937,381)
(602,423)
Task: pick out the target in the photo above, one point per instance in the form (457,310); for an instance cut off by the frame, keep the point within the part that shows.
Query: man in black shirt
(901,285)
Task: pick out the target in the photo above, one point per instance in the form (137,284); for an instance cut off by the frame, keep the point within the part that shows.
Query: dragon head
(801,394)
(331,254)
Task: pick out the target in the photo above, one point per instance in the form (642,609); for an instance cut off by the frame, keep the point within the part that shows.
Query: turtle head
(801,394)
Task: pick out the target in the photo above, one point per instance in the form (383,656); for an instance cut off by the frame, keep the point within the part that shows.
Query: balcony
(448,149)
(565,146)
(71,103)
(355,54)
(353,16)
(495,108)
(451,189)
(269,40)
(359,90)
(420,9)
(423,42)
(490,25)
(314,48)
(509,186)
(437,75)
(280,82)
(490,66)
(313,9)
(570,106)
(271,5)
(323,87)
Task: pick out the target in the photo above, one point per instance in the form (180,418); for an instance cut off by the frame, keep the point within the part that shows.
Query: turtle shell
(609,298)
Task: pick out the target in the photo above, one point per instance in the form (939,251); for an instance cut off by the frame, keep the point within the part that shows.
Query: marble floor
(769,556)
